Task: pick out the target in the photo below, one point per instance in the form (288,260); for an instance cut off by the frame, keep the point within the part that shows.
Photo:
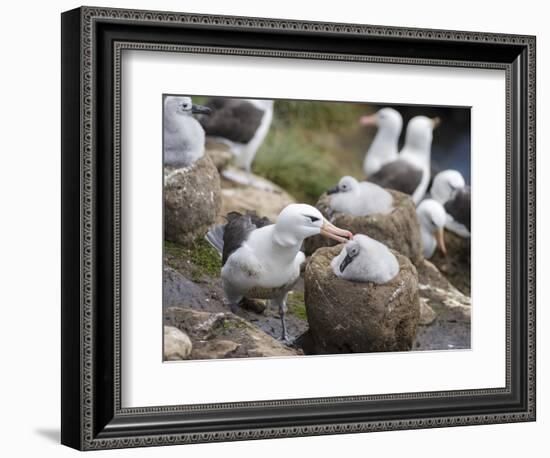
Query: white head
(182,106)
(346,184)
(432,218)
(365,259)
(296,222)
(420,132)
(263,104)
(388,120)
(445,185)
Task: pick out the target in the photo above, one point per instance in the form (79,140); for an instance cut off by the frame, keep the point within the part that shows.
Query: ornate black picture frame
(92,42)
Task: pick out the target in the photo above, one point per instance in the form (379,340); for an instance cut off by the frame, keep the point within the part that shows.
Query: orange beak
(332,232)
(436,122)
(440,239)
(371,120)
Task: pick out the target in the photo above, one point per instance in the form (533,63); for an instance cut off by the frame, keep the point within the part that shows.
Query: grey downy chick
(364,259)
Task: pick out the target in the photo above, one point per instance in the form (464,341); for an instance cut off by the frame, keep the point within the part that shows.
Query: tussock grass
(311,145)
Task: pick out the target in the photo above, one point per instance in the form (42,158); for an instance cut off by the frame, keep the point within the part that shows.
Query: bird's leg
(248,170)
(282,311)
(234,301)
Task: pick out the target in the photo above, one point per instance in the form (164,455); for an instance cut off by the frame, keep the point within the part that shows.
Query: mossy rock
(399,230)
(192,200)
(357,317)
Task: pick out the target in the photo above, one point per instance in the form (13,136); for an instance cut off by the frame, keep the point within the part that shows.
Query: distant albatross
(450,190)
(262,260)
(183,141)
(383,148)
(410,173)
(242,124)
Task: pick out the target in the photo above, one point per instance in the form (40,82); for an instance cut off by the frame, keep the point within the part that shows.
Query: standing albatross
(451,191)
(410,173)
(383,148)
(262,260)
(183,141)
(242,124)
(431,216)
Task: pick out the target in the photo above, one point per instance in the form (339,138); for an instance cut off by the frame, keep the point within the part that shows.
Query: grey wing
(398,175)
(234,119)
(459,207)
(237,230)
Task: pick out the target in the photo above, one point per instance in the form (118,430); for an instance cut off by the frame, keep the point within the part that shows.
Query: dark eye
(344,186)
(312,218)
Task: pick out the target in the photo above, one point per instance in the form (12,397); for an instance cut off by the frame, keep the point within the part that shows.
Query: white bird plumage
(417,150)
(184,138)
(384,147)
(365,259)
(359,198)
(444,188)
(267,263)
(432,218)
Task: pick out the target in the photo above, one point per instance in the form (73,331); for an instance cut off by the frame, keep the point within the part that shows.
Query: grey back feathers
(399,175)
(365,259)
(234,119)
(227,238)
(214,236)
(459,206)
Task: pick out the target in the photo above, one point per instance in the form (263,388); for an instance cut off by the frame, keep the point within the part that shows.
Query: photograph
(267,228)
(312,227)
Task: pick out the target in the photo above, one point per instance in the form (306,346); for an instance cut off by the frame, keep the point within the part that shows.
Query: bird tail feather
(214,237)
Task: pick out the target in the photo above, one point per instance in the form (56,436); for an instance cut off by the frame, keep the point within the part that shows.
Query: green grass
(296,305)
(311,145)
(306,151)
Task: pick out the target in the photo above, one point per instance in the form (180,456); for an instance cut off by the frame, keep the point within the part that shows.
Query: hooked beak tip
(332,232)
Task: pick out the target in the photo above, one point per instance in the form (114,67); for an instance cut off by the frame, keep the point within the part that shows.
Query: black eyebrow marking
(312,218)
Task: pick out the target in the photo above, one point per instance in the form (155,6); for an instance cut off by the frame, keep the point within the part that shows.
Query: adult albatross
(383,148)
(183,141)
(242,124)
(262,260)
(451,191)
(410,173)
(431,216)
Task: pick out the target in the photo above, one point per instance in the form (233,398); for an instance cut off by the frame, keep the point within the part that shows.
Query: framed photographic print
(276,228)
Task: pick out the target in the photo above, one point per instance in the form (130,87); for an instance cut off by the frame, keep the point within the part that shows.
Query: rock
(456,265)
(219,153)
(353,317)
(399,230)
(177,344)
(216,349)
(224,335)
(262,196)
(427,314)
(450,329)
(178,290)
(192,200)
